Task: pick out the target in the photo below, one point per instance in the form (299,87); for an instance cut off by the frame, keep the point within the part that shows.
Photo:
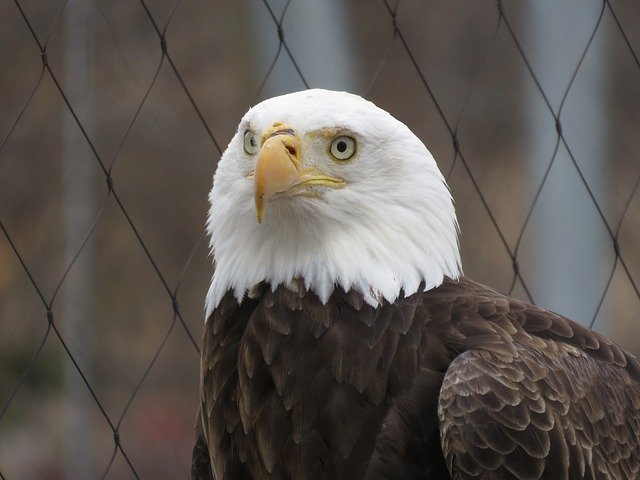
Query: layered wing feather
(536,396)
(458,382)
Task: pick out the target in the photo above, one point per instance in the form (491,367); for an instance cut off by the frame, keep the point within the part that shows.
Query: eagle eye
(251,145)
(343,147)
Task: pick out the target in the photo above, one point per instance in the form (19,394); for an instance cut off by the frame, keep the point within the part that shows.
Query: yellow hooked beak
(279,169)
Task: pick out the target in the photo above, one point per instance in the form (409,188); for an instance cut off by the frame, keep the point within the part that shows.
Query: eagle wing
(535,396)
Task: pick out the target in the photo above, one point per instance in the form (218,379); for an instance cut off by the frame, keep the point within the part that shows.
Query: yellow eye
(251,145)
(343,148)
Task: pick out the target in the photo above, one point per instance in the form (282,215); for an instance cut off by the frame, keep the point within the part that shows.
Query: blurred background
(108,143)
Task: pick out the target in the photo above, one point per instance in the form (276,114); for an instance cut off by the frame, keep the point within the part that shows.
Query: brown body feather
(458,382)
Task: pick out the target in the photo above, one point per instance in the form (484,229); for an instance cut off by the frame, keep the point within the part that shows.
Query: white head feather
(392,227)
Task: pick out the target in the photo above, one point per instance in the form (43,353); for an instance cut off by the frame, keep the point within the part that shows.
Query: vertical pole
(570,247)
(79,207)
(318,35)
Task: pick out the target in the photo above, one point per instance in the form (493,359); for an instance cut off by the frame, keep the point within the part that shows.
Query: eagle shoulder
(533,395)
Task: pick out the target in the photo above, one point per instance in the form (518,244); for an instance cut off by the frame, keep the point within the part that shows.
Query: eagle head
(326,187)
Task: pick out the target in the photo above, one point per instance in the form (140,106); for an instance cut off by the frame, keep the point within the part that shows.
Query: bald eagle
(342,340)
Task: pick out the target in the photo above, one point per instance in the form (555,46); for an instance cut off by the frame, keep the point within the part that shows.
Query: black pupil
(342,146)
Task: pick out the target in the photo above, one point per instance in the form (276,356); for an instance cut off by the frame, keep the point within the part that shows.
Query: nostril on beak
(291,150)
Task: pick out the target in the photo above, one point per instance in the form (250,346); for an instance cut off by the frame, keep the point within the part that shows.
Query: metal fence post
(78,209)
(570,248)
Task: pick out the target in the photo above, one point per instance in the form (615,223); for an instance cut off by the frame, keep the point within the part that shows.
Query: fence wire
(51,315)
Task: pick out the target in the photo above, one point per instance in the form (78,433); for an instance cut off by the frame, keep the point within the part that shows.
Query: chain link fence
(114,113)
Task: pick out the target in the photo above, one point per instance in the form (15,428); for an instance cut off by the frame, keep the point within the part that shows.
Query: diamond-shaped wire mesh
(114,115)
